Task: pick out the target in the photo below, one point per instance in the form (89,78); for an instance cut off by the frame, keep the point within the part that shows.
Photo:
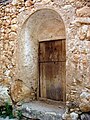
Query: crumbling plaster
(43,25)
(25,18)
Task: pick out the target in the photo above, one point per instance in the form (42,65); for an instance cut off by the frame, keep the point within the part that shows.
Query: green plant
(6,110)
(19,114)
(9,110)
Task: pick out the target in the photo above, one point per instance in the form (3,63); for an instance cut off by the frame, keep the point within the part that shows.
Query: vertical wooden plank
(53,81)
(41,52)
(64,80)
(59,80)
(58,50)
(48,51)
(63,50)
(42,81)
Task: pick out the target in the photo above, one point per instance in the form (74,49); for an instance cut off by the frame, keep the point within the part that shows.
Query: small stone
(85,102)
(76,58)
(14,27)
(0,22)
(82,20)
(7,72)
(85,107)
(82,36)
(85,116)
(65,116)
(4,96)
(6,46)
(88,86)
(83,32)
(83,12)
(28,3)
(6,36)
(12,35)
(74,116)
(88,34)
(7,22)
(84,95)
(2,30)
(46,1)
(22,9)
(7,10)
(14,2)
(14,21)
(8,30)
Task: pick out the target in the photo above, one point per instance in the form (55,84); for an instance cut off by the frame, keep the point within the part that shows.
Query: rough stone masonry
(76,17)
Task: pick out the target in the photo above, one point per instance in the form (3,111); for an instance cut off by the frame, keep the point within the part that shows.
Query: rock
(14,27)
(85,116)
(7,72)
(7,10)
(22,9)
(8,30)
(6,82)
(7,22)
(74,116)
(85,107)
(82,35)
(65,116)
(88,86)
(85,102)
(14,2)
(46,1)
(28,3)
(0,22)
(19,91)
(82,20)
(12,35)
(85,95)
(88,34)
(83,32)
(83,12)
(14,20)
(4,96)
(7,118)
(41,110)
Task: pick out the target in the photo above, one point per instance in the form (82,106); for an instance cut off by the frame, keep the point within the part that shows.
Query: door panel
(52,69)
(52,51)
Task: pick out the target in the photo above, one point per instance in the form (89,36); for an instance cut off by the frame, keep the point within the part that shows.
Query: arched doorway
(44,32)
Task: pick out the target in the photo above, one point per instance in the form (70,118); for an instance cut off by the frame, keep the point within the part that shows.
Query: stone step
(42,110)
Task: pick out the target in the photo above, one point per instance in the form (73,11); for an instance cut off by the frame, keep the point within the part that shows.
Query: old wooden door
(52,57)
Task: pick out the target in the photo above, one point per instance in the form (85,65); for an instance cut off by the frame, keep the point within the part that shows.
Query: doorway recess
(52,61)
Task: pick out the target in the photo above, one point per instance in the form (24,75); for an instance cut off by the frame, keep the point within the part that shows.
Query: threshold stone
(40,110)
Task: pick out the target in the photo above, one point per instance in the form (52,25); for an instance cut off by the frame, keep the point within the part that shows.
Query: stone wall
(8,48)
(76,17)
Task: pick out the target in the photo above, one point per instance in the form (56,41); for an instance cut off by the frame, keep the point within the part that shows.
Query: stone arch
(43,25)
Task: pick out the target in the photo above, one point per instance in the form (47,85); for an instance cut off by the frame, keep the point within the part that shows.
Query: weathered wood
(52,56)
(63,50)
(42,81)
(52,51)
(64,80)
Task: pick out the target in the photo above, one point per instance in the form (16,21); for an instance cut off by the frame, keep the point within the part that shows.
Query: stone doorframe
(27,63)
